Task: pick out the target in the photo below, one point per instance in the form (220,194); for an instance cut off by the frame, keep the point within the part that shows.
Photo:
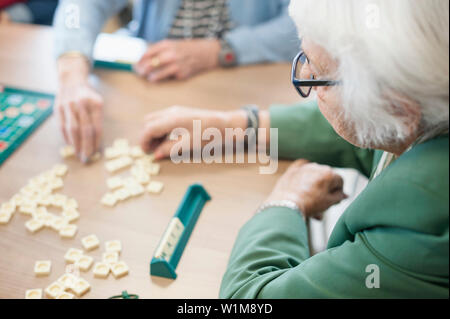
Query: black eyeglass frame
(298,83)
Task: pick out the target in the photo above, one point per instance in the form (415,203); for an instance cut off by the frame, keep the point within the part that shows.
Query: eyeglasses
(305,85)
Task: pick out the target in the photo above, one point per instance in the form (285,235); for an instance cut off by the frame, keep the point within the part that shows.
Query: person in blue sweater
(186,36)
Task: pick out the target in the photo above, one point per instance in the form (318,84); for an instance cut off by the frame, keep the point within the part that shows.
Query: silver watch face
(227,57)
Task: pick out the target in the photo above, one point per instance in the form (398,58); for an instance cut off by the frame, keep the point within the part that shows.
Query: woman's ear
(414,118)
(411,115)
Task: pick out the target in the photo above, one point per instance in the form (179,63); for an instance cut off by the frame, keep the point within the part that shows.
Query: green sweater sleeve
(271,260)
(303,132)
(271,243)
(397,228)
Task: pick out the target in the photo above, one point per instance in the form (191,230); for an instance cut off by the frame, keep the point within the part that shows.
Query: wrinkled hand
(179,59)
(80,112)
(313,187)
(160,124)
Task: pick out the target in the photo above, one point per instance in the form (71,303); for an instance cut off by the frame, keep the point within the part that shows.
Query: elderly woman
(380,72)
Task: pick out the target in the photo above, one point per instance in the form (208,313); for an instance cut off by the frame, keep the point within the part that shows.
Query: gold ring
(156,62)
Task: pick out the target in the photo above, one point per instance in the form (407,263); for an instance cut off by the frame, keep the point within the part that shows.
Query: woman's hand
(179,59)
(79,107)
(313,187)
(160,124)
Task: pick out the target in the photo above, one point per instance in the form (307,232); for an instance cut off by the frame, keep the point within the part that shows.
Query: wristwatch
(252,124)
(227,56)
(281,203)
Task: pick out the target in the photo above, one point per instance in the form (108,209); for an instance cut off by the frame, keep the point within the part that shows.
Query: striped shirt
(201,19)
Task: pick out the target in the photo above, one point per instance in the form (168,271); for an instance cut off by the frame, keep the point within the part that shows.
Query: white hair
(386,49)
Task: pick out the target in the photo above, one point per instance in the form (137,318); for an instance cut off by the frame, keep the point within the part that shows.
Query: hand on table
(313,187)
(79,107)
(160,124)
(178,59)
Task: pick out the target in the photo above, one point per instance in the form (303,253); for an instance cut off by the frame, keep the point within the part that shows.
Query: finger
(163,60)
(155,143)
(164,150)
(164,73)
(147,66)
(165,125)
(97,122)
(155,130)
(72,122)
(336,183)
(155,49)
(297,164)
(62,122)
(319,216)
(336,198)
(86,133)
(146,63)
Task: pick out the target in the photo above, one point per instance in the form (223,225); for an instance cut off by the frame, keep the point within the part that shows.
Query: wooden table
(26,60)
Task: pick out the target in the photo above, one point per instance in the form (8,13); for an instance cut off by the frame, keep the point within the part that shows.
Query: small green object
(125,295)
(120,66)
(21,113)
(188,212)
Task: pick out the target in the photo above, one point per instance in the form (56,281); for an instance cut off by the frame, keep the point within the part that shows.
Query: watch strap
(227,56)
(279,204)
(252,123)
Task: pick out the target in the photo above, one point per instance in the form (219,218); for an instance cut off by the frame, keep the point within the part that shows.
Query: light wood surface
(26,61)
